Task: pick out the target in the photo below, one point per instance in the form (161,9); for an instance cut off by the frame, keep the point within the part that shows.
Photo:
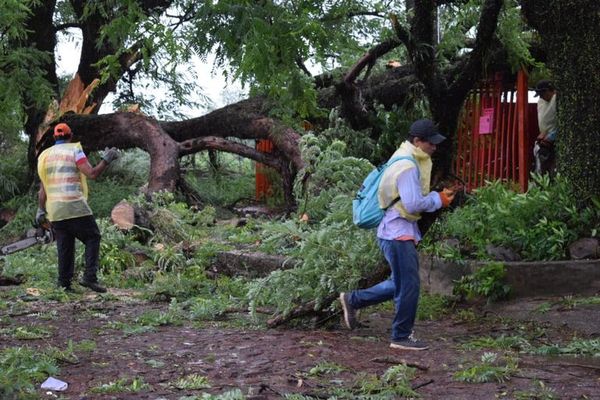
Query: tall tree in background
(569,32)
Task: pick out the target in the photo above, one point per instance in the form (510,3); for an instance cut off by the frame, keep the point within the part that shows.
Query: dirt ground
(267,364)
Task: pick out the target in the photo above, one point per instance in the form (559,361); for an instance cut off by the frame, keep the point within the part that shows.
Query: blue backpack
(366,212)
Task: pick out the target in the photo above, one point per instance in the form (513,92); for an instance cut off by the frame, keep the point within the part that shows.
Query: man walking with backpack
(404,193)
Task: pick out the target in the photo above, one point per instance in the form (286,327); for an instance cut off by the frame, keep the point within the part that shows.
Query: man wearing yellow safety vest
(404,192)
(63,169)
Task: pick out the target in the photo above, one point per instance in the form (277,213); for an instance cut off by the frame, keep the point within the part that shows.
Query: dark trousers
(86,230)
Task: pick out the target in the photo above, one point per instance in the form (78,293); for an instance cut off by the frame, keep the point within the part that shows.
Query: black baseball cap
(425,129)
(542,86)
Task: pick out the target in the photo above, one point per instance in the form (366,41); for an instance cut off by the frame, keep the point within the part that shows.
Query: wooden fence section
(494,135)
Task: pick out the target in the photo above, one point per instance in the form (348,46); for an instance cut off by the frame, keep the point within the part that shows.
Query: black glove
(40,216)
(110,155)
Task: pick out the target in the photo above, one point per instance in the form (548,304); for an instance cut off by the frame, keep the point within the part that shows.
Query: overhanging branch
(217,143)
(485,35)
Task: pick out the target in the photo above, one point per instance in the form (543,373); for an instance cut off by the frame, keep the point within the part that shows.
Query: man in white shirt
(543,150)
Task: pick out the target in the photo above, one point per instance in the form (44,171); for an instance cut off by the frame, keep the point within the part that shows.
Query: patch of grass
(85,346)
(544,307)
(68,354)
(580,347)
(572,302)
(326,368)
(539,392)
(26,332)
(487,281)
(48,315)
(394,383)
(501,342)
(148,321)
(432,306)
(160,318)
(155,363)
(122,385)
(466,315)
(191,382)
(488,370)
(130,329)
(235,394)
(21,370)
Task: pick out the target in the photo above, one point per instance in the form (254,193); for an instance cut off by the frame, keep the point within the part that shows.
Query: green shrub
(538,225)
(13,171)
(486,281)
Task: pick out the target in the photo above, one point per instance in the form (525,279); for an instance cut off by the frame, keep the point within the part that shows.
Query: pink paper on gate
(486,121)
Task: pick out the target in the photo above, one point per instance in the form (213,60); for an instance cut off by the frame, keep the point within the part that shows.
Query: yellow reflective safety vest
(65,186)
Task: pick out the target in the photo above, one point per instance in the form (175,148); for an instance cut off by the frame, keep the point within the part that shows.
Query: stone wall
(542,278)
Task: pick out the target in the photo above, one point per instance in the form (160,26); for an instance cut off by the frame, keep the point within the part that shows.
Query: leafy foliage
(191,382)
(13,170)
(394,383)
(23,80)
(590,347)
(457,27)
(499,216)
(21,368)
(334,254)
(490,369)
(122,385)
(486,281)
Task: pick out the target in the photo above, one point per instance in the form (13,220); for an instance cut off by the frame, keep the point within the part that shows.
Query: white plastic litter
(55,384)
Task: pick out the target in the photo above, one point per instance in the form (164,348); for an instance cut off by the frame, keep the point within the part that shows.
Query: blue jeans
(403,286)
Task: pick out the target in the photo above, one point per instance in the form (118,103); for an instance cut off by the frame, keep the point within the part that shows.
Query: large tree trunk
(569,32)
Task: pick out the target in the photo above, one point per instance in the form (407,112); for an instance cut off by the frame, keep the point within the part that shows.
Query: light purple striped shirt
(393,226)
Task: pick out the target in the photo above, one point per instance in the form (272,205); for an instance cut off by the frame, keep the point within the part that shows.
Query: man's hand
(447,196)
(40,216)
(110,155)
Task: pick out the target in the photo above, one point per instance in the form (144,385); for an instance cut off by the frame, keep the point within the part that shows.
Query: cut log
(125,216)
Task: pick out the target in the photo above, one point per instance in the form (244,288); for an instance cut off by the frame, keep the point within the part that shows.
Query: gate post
(522,110)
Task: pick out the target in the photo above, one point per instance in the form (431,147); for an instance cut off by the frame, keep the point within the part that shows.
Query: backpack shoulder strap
(398,158)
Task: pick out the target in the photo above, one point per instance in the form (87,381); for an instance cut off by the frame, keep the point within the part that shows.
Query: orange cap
(62,129)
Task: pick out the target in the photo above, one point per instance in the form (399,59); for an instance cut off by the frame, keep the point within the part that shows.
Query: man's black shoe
(95,286)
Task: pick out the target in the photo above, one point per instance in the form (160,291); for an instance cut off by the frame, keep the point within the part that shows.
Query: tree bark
(570,35)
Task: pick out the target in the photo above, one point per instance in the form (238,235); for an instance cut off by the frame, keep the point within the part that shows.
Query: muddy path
(164,358)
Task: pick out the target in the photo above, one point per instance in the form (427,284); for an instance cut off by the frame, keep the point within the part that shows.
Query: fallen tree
(113,56)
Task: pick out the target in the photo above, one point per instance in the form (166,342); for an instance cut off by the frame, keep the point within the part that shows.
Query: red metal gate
(495,133)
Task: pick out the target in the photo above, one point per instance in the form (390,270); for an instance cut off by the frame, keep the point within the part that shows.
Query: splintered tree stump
(125,216)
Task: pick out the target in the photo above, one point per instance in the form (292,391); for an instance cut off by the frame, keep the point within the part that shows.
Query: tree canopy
(299,60)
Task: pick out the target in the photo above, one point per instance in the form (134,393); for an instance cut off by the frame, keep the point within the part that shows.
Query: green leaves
(486,281)
(335,255)
(538,225)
